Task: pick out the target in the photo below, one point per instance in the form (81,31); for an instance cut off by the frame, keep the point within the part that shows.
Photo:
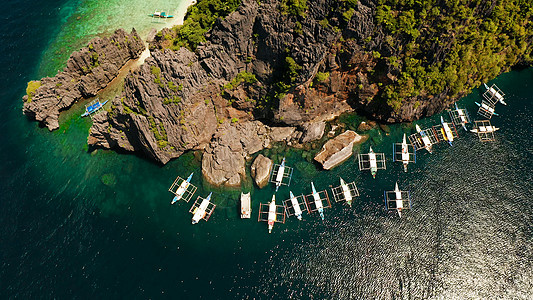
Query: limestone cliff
(87,71)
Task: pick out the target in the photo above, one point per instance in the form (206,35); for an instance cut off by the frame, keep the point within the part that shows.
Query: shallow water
(99,224)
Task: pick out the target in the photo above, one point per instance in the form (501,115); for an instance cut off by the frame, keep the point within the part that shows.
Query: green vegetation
(293,7)
(175,100)
(31,88)
(234,120)
(240,78)
(451,46)
(198,21)
(159,132)
(321,77)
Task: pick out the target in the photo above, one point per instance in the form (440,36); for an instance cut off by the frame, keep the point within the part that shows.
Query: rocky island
(234,79)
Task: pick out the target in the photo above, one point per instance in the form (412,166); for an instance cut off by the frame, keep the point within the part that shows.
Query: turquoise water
(99,224)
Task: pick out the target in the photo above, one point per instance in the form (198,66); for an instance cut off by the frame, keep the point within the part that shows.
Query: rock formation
(339,149)
(263,74)
(88,71)
(260,170)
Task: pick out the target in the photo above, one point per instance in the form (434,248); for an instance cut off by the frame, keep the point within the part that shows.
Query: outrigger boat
(271,213)
(246,209)
(446,131)
(495,92)
(425,139)
(318,202)
(486,109)
(394,200)
(182,189)
(281,174)
(345,192)
(160,14)
(459,116)
(296,206)
(372,161)
(203,210)
(406,155)
(484,130)
(93,107)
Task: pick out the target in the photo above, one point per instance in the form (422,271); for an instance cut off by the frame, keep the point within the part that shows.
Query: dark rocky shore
(222,97)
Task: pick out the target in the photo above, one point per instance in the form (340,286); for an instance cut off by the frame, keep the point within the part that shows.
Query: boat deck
(289,209)
(189,192)
(418,143)
(208,211)
(338,192)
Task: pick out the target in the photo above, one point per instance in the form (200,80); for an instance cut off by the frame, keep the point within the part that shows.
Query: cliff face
(274,71)
(87,71)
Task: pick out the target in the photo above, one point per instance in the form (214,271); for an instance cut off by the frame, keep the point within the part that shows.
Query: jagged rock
(279,134)
(339,149)
(88,71)
(365,126)
(260,170)
(313,131)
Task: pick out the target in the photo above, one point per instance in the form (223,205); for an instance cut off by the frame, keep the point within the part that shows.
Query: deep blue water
(75,224)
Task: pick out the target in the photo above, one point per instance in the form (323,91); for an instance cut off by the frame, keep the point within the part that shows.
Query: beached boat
(93,107)
(246,208)
(160,14)
(182,189)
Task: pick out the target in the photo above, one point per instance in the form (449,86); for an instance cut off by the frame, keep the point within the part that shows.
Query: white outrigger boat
(182,189)
(494,92)
(484,130)
(486,109)
(460,116)
(271,213)
(446,131)
(345,192)
(397,200)
(372,161)
(202,209)
(425,139)
(281,175)
(318,202)
(296,206)
(406,155)
(246,208)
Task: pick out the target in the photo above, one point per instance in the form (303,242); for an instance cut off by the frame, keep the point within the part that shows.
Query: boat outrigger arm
(495,93)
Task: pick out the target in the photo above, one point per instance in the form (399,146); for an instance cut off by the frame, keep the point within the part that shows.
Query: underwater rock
(339,149)
(366,126)
(260,170)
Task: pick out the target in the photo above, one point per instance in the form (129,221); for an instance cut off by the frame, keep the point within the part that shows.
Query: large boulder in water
(336,151)
(313,131)
(260,170)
